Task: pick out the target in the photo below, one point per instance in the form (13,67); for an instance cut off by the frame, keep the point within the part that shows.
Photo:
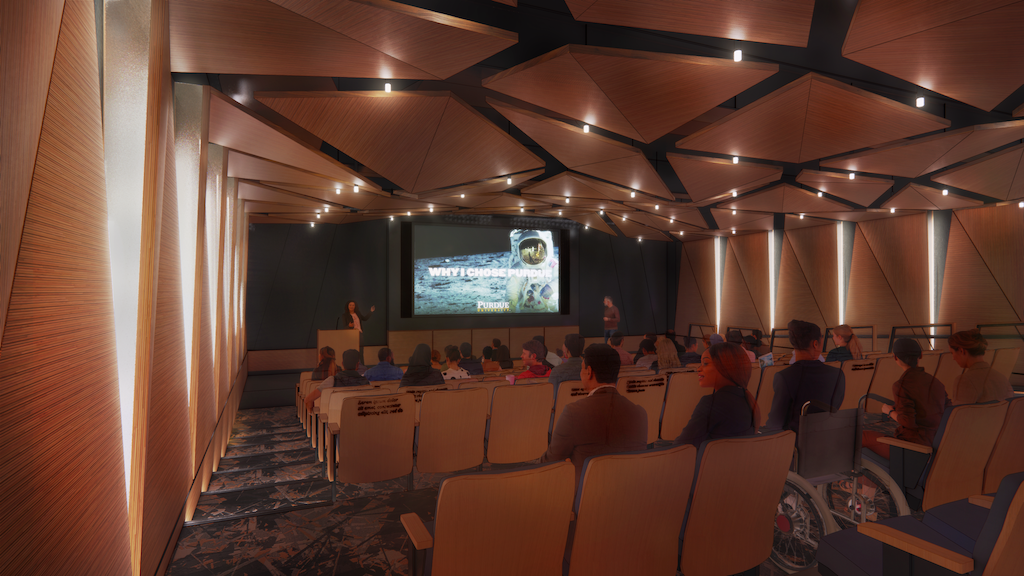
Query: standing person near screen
(353,318)
(611,318)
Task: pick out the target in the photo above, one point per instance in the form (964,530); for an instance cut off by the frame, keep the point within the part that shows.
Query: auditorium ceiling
(667,120)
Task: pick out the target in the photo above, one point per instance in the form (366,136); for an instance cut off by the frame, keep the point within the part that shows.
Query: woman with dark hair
(419,372)
(488,364)
(502,356)
(353,318)
(730,410)
(847,345)
(979,382)
(326,364)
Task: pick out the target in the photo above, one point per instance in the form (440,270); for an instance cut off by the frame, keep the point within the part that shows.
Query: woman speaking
(353,318)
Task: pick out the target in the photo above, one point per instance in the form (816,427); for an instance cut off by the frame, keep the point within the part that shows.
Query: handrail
(1017,325)
(689,330)
(771,342)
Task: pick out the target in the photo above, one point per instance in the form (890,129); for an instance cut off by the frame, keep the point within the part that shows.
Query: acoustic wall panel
(795,298)
(64,486)
(751,251)
(870,300)
(696,285)
(900,245)
(997,232)
(737,305)
(817,252)
(970,295)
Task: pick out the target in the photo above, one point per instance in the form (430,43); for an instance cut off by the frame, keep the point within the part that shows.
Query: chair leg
(416,560)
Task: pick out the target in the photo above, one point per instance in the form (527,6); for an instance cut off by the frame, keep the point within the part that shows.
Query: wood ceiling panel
(974,54)
(878,21)
(795,222)
(1019,111)
(784,198)
(998,234)
(981,138)
(350,199)
(701,256)
(870,300)
(919,197)
(810,118)
(635,172)
(593,221)
(497,184)
(862,190)
(592,204)
(997,175)
(436,43)
(260,37)
(253,168)
(662,223)
(900,246)
(233,126)
(816,250)
(566,184)
(785,22)
(858,215)
(513,201)
(706,178)
(260,193)
(674,211)
(739,309)
(643,95)
(728,221)
(751,251)
(794,299)
(970,295)
(634,229)
(273,207)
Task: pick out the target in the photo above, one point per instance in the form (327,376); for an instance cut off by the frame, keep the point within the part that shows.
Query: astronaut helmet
(531,248)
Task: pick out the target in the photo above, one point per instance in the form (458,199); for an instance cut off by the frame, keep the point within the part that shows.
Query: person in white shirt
(453,372)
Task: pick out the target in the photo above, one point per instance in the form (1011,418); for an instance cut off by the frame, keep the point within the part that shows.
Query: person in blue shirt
(385,368)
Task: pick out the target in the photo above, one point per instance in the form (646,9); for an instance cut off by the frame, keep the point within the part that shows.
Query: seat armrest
(316,410)
(982,500)
(921,548)
(906,445)
(334,428)
(417,531)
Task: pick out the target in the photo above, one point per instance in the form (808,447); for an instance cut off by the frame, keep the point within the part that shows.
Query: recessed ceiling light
(586,227)
(337,190)
(671,220)
(310,224)
(508,180)
(639,239)
(920,101)
(387,87)
(820,194)
(431,208)
(462,195)
(586,128)
(559,212)
(601,212)
(623,217)
(945,192)
(737,55)
(892,210)
(733,212)
(566,199)
(632,194)
(355,189)
(408,213)
(317,215)
(657,207)
(1020,205)
(853,175)
(392,218)
(733,193)
(735,159)
(680,232)
(733,230)
(522,209)
(801,216)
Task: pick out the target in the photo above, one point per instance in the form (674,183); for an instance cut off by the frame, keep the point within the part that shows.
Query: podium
(340,340)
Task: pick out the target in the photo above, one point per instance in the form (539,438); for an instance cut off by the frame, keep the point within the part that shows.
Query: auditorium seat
(681,398)
(858,375)
(518,429)
(930,361)
(418,392)
(948,372)
(332,419)
(629,510)
(1004,359)
(451,430)
(568,392)
(1008,453)
(496,523)
(648,392)
(374,437)
(766,390)
(388,385)
(488,384)
(319,413)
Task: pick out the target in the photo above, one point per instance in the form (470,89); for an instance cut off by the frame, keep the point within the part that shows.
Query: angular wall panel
(737,305)
(870,300)
(997,232)
(816,250)
(970,295)
(752,256)
(696,285)
(900,246)
(795,299)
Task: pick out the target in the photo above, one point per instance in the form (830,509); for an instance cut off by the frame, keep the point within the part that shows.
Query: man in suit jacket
(604,422)
(807,379)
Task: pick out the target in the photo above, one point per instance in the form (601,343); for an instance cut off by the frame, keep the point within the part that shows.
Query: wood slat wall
(870,300)
(697,291)
(737,303)
(64,476)
(751,252)
(970,294)
(817,251)
(795,299)
(900,245)
(998,235)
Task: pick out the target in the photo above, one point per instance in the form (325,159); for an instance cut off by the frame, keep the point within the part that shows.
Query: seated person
(487,363)
(533,359)
(552,358)
(347,378)
(420,372)
(648,353)
(385,368)
(665,352)
(435,359)
(604,422)
(671,335)
(325,365)
(640,353)
(736,337)
(979,382)
(807,379)
(751,344)
(730,410)
(502,355)
(454,372)
(920,399)
(847,345)
(569,369)
(468,362)
(616,343)
(689,356)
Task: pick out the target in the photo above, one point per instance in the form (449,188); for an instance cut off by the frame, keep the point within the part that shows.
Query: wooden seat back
(568,392)
(766,390)
(1004,360)
(730,514)
(1007,555)
(948,372)
(681,398)
(643,520)
(887,372)
(520,416)
(648,392)
(489,385)
(505,523)
(375,437)
(958,465)
(333,398)
(390,386)
(451,435)
(858,374)
(418,392)
(1008,453)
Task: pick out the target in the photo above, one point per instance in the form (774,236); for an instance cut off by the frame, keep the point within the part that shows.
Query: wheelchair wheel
(877,496)
(800,522)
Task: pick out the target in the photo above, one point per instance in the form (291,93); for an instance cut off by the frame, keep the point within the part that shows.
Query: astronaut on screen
(533,287)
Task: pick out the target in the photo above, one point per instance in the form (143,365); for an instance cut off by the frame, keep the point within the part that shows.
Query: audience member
(847,345)
(552,358)
(736,337)
(325,366)
(454,371)
(468,362)
(611,318)
(751,345)
(385,368)
(616,343)
(348,377)
(487,363)
(533,354)
(730,410)
(666,355)
(671,335)
(715,339)
(640,353)
(919,401)
(420,372)
(807,379)
(569,369)
(648,353)
(435,359)
(689,355)
(604,422)
(979,382)
(502,356)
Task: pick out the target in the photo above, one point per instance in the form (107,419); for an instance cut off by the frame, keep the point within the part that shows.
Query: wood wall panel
(817,251)
(28,39)
(737,304)
(696,285)
(870,300)
(752,256)
(64,485)
(900,245)
(997,232)
(795,299)
(970,295)
(202,395)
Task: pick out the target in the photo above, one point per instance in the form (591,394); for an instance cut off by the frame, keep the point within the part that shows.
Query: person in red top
(611,318)
(533,354)
(919,401)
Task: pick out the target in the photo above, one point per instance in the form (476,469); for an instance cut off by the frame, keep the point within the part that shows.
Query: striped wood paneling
(998,234)
(920,197)
(64,485)
(997,175)
(794,299)
(785,198)
(900,246)
(737,304)
(202,393)
(751,252)
(28,39)
(690,307)
(701,256)
(970,295)
(707,178)
(816,251)
(870,300)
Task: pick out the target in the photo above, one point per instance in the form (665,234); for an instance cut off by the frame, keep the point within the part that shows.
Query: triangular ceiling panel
(674,212)
(861,215)
(861,190)
(418,140)
(567,184)
(784,198)
(436,43)
(588,153)
(594,221)
(348,198)
(642,95)
(999,175)
(969,51)
(780,22)
(498,184)
(259,193)
(809,119)
(708,178)
(235,127)
(253,168)
(662,223)
(592,204)
(795,221)
(633,229)
(513,201)
(919,197)
(727,221)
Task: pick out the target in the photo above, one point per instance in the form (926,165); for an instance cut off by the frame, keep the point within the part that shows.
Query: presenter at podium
(353,318)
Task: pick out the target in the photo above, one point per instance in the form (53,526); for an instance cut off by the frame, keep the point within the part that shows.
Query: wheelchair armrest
(982,500)
(417,531)
(906,445)
(881,399)
(918,547)
(817,404)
